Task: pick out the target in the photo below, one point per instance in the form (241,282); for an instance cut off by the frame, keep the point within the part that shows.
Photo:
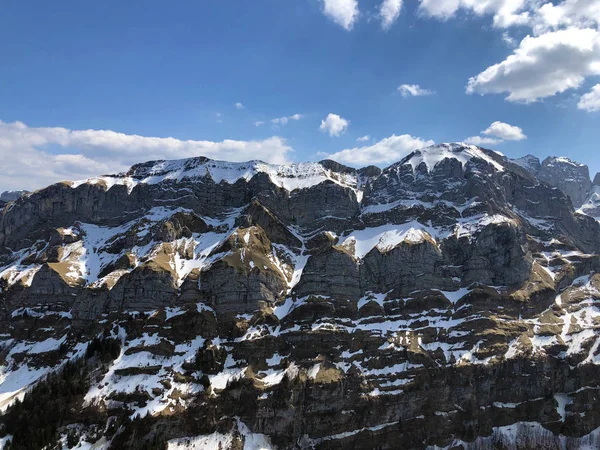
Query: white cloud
(505,131)
(28,164)
(569,13)
(285,120)
(239,105)
(505,13)
(481,140)
(386,151)
(342,12)
(497,133)
(334,125)
(562,51)
(364,138)
(414,90)
(389,11)
(590,101)
(440,9)
(543,66)
(258,123)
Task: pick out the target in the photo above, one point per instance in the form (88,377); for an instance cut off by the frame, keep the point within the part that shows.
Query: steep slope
(591,206)
(440,301)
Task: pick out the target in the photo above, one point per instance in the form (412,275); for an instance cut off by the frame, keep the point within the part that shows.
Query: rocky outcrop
(247,276)
(332,272)
(146,288)
(48,287)
(498,257)
(407,267)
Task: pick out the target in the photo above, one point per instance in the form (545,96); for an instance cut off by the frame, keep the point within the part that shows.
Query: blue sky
(78,80)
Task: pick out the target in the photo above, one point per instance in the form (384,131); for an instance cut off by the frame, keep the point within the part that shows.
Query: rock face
(450,300)
(570,177)
(11,196)
(530,163)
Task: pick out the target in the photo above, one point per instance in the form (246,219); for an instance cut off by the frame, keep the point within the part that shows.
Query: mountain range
(448,301)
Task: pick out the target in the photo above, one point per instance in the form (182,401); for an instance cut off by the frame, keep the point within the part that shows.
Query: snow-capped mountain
(451,300)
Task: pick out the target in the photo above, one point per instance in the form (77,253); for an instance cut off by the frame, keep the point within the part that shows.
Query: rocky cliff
(447,301)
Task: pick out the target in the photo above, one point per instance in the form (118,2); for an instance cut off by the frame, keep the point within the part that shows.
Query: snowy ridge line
(289,177)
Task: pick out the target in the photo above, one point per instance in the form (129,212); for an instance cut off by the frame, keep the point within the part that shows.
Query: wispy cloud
(482,140)
(239,105)
(389,11)
(284,120)
(413,90)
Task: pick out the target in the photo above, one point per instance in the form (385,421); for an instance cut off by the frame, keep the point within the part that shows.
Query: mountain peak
(431,156)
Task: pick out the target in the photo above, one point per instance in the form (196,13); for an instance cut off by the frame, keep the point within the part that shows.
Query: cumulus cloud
(386,151)
(497,133)
(562,50)
(342,12)
(506,13)
(542,66)
(482,140)
(569,13)
(389,11)
(413,90)
(505,131)
(258,123)
(285,120)
(364,138)
(590,101)
(28,162)
(334,125)
(239,105)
